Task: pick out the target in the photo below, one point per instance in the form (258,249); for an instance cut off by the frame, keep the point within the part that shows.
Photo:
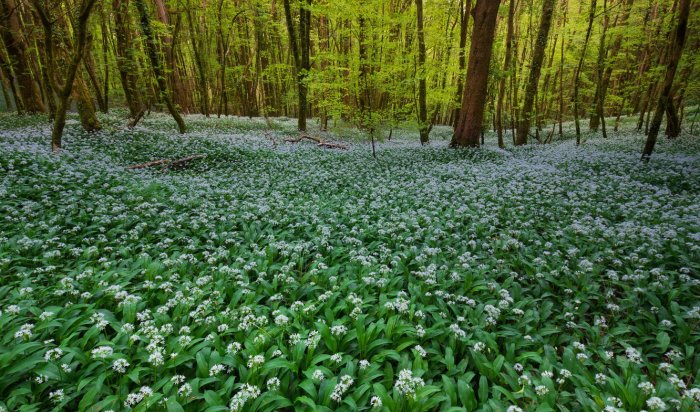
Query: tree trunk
(471,114)
(423,125)
(301,57)
(28,97)
(465,12)
(506,71)
(126,61)
(63,91)
(156,65)
(577,77)
(674,56)
(533,81)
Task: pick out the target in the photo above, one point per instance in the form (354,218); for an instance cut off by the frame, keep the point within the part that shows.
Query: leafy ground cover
(281,277)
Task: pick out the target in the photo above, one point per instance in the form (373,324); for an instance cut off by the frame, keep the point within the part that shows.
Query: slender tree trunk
(599,111)
(199,61)
(126,61)
(152,52)
(506,71)
(674,56)
(300,53)
(577,77)
(423,125)
(28,97)
(465,12)
(561,71)
(471,115)
(536,67)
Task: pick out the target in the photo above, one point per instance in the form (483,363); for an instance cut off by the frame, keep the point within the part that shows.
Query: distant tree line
(519,67)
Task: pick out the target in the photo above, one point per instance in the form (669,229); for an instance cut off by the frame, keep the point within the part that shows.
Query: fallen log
(148,164)
(181,163)
(319,142)
(333,145)
(168,163)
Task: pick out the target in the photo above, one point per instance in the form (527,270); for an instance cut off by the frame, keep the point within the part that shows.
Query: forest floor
(274,275)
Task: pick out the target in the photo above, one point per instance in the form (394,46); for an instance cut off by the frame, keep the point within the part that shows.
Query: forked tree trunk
(471,115)
(156,65)
(674,56)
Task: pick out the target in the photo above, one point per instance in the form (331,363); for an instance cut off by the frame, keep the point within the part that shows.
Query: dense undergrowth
(286,276)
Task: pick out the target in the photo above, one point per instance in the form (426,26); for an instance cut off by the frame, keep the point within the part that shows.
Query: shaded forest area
(518,67)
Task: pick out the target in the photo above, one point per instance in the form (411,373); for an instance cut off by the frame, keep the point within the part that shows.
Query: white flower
(407,384)
(656,404)
(25,331)
(337,357)
(339,330)
(256,360)
(57,396)
(375,402)
(479,346)
(273,384)
(341,387)
(216,369)
(364,364)
(246,393)
(120,365)
(647,387)
(458,331)
(420,350)
(541,390)
(318,375)
(102,352)
(53,354)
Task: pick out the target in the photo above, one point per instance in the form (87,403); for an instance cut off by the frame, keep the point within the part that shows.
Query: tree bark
(506,71)
(126,61)
(28,97)
(465,12)
(674,56)
(63,91)
(536,67)
(577,77)
(156,65)
(471,115)
(423,125)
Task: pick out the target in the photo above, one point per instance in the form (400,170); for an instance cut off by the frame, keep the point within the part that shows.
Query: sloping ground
(281,276)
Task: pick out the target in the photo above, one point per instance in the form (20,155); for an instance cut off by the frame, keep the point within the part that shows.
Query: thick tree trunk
(674,56)
(536,67)
(86,107)
(156,65)
(471,115)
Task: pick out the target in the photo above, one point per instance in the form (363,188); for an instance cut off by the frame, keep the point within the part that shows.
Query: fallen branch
(181,163)
(168,164)
(333,146)
(319,142)
(149,164)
